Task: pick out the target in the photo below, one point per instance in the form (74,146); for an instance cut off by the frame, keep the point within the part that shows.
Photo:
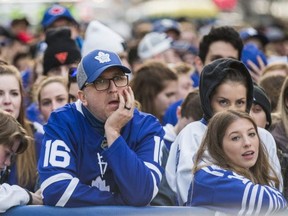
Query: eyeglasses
(102,84)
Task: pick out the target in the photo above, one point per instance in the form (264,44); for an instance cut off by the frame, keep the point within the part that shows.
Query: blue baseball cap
(250,52)
(55,12)
(163,25)
(250,32)
(95,63)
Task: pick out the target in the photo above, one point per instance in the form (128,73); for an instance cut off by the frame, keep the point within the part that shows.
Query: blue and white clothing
(225,191)
(180,160)
(77,169)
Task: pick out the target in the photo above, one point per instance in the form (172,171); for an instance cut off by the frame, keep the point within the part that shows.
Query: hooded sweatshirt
(183,149)
(213,75)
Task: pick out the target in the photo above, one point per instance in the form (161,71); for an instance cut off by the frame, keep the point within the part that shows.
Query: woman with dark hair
(225,84)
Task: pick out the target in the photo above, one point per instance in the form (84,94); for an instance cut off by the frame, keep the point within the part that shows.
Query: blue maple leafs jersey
(77,169)
(225,191)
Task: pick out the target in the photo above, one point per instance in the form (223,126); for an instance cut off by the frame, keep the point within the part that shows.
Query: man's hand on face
(121,116)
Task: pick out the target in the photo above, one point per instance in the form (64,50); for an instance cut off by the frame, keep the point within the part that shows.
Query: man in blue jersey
(101,150)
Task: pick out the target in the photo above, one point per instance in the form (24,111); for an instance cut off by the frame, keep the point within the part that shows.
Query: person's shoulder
(143,123)
(66,113)
(214,173)
(209,176)
(213,170)
(196,127)
(140,116)
(66,108)
(265,135)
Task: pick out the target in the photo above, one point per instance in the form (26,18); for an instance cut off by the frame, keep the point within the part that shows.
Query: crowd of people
(170,117)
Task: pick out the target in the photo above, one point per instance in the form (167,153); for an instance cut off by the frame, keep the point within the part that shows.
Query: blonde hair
(46,81)
(275,66)
(182,68)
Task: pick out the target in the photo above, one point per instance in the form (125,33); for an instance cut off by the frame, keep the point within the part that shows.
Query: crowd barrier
(108,211)
(113,211)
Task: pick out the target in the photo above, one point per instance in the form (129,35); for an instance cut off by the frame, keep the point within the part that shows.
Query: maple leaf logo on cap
(103,57)
(57,10)
(61,57)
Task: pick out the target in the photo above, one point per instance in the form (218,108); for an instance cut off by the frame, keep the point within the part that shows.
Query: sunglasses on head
(72,72)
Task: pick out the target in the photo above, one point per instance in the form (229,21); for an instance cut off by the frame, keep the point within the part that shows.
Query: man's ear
(178,112)
(198,64)
(82,97)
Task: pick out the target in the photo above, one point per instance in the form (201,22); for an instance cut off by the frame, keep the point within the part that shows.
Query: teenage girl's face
(241,143)
(73,92)
(6,153)
(184,85)
(52,96)
(258,114)
(166,97)
(10,95)
(229,96)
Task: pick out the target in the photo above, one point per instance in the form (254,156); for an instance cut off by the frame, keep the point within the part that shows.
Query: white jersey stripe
(55,178)
(157,149)
(260,200)
(270,207)
(253,196)
(154,168)
(68,192)
(155,188)
(244,199)
(213,172)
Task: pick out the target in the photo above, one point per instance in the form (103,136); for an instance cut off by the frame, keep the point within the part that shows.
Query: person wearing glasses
(100,150)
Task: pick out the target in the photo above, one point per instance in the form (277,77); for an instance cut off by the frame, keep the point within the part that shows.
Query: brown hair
(260,173)
(272,85)
(191,106)
(26,162)
(11,130)
(282,107)
(149,80)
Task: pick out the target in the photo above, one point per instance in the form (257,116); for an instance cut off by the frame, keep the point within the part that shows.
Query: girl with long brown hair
(24,170)
(236,177)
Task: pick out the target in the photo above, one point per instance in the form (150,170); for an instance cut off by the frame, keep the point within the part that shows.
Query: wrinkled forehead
(113,71)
